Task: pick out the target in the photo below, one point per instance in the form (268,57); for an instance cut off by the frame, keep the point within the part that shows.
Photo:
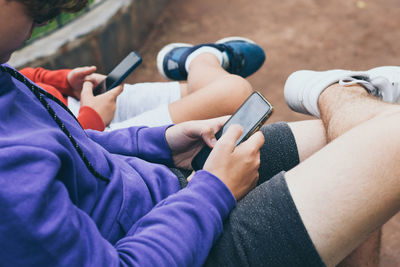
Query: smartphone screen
(252,112)
(119,73)
(251,115)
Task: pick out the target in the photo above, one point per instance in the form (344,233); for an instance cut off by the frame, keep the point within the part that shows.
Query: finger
(87,90)
(221,120)
(84,71)
(252,145)
(208,136)
(217,123)
(95,78)
(229,138)
(116,91)
(255,141)
(190,176)
(213,125)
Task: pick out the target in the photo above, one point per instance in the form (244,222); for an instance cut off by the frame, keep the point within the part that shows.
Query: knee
(238,87)
(391,117)
(387,124)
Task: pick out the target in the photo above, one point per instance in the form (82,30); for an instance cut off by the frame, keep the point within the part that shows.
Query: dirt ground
(302,34)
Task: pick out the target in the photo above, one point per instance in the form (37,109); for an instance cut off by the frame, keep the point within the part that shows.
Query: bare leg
(345,191)
(310,137)
(366,255)
(184,89)
(212,92)
(203,70)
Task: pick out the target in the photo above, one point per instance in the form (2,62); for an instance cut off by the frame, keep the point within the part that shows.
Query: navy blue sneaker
(240,55)
(244,57)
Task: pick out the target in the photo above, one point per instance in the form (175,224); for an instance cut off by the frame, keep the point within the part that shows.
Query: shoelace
(379,87)
(364,82)
(38,92)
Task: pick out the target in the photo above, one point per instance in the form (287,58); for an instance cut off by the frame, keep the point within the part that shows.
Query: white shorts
(140,104)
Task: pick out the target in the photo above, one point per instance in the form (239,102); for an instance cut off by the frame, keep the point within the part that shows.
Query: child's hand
(103,104)
(236,166)
(187,138)
(78,76)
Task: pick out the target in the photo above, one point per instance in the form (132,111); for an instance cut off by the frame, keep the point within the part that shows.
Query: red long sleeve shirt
(55,82)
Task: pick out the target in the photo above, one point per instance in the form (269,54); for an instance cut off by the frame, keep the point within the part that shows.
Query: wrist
(68,78)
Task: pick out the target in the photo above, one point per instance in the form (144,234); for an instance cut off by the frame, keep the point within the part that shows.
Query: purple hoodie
(54,212)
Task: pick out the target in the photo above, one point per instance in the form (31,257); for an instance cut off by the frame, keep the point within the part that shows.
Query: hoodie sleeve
(180,230)
(143,142)
(90,119)
(55,78)
(42,227)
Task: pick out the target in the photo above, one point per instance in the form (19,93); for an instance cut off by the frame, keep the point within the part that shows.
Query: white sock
(201,50)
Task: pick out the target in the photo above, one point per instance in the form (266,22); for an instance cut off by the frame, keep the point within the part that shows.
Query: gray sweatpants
(265,228)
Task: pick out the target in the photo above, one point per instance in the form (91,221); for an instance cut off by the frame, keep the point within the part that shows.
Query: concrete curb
(101,37)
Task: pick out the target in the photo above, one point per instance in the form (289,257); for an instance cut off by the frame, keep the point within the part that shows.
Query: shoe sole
(163,52)
(234,38)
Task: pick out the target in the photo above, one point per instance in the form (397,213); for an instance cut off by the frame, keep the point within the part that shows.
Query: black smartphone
(119,73)
(251,115)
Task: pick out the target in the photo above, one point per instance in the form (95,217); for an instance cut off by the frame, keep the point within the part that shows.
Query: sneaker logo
(172,65)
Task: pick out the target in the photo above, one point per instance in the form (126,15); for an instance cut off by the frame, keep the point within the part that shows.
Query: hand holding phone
(104,104)
(236,167)
(119,73)
(251,115)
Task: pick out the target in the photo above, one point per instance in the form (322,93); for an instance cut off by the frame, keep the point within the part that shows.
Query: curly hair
(42,11)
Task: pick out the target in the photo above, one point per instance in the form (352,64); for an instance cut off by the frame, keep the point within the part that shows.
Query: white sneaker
(303,88)
(390,93)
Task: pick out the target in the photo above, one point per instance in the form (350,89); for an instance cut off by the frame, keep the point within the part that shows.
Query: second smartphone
(251,115)
(119,73)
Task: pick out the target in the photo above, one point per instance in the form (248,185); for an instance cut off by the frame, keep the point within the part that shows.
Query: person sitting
(299,194)
(156,104)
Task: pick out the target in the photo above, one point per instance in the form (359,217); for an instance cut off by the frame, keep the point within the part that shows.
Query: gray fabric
(265,229)
(279,152)
(182,175)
